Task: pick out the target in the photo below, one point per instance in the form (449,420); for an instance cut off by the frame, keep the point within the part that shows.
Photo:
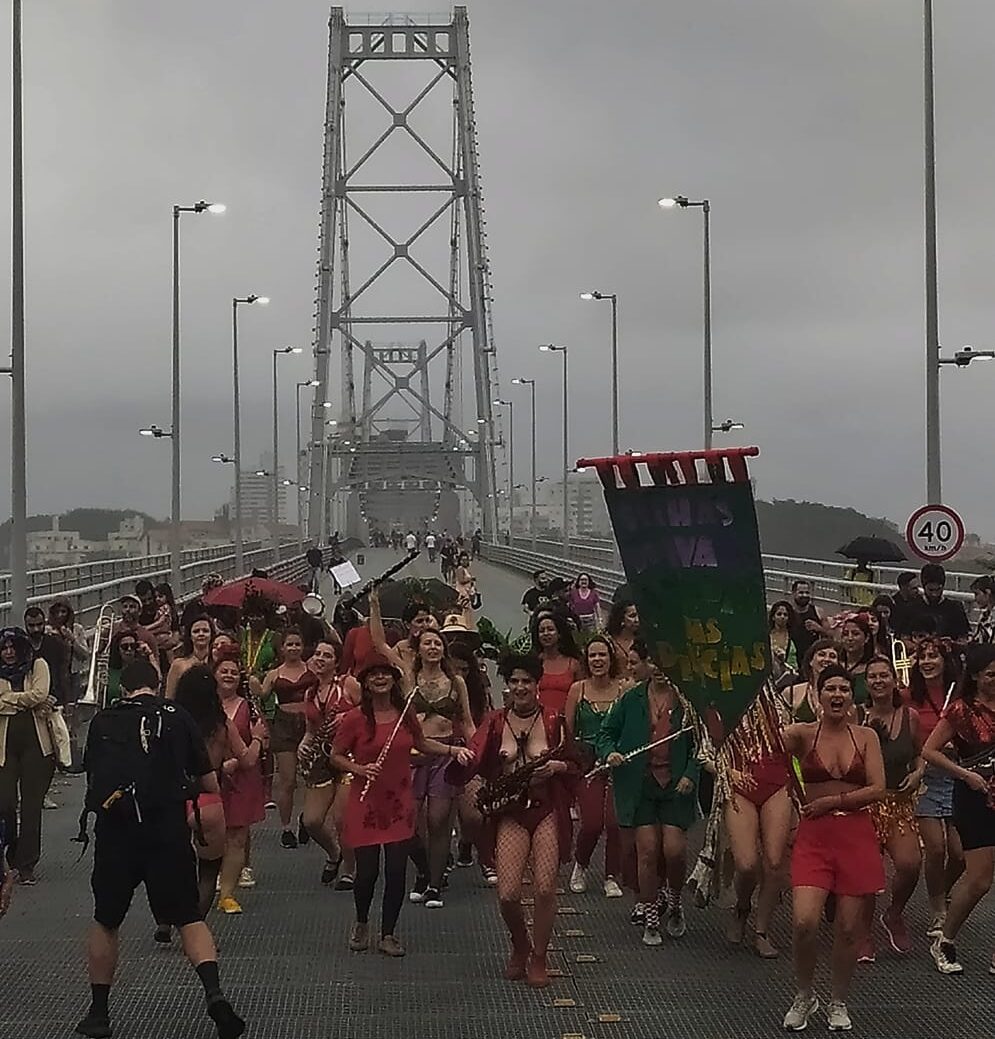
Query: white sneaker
(796,1019)
(612,890)
(838,1016)
(578,879)
(652,936)
(944,955)
(247,878)
(49,803)
(935,929)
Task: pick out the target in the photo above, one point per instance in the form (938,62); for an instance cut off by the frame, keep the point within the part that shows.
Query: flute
(381,757)
(604,766)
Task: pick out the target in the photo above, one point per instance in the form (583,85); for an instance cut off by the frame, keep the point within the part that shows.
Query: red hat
(376,662)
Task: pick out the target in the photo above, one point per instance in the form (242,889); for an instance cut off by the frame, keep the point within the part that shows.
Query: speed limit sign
(935,533)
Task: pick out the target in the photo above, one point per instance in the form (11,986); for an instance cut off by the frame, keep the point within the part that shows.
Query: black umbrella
(395,595)
(868,549)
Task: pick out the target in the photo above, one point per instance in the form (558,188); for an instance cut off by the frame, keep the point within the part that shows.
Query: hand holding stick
(614,760)
(381,757)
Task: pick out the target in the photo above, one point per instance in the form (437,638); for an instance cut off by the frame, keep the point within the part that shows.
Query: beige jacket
(34,698)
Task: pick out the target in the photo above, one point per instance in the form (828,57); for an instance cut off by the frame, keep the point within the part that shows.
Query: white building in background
(257,496)
(57,547)
(587,513)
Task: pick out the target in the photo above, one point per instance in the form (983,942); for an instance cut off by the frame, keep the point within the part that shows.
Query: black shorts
(159,855)
(974,820)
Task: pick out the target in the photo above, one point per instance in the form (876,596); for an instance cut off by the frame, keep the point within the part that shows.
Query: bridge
(286,963)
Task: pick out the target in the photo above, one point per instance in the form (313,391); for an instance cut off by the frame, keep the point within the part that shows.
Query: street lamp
(705,207)
(309,384)
(962,358)
(236,407)
(277,353)
(223,459)
(176,575)
(510,405)
(550,348)
(727,426)
(531,383)
(934,486)
(18,424)
(613,297)
(155,431)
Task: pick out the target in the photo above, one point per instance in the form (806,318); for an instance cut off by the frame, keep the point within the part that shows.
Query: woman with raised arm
(588,702)
(373,743)
(969,724)
(290,681)
(894,815)
(836,848)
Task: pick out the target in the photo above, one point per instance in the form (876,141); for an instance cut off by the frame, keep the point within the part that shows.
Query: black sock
(99,994)
(208,974)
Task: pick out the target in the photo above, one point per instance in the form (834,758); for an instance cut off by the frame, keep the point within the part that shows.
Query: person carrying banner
(654,791)
(144,761)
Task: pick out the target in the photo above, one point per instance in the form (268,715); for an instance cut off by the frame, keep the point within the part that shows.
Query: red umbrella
(236,592)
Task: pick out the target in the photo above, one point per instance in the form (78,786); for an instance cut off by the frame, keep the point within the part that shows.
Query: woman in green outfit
(654,792)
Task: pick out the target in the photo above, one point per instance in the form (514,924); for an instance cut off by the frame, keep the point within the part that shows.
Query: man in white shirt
(430,545)
(410,541)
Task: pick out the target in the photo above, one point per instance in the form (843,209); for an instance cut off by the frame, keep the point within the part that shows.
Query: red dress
(242,792)
(553,689)
(388,813)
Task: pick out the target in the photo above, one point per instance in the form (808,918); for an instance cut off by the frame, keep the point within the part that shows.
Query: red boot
(518,961)
(536,976)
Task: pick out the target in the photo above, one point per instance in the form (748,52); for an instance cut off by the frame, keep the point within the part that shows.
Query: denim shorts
(937,799)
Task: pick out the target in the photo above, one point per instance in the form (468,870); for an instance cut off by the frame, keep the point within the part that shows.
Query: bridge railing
(107,580)
(600,559)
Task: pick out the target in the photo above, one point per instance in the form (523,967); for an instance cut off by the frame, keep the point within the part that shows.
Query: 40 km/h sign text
(935,533)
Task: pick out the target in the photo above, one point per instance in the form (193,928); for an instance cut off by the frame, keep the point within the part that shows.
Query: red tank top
(553,689)
(335,702)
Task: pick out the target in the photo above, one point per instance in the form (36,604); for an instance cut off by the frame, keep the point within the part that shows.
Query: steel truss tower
(395,449)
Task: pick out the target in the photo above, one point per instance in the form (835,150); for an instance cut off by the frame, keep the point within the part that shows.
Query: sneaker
(935,929)
(270,806)
(163,935)
(303,837)
(359,937)
(638,915)
(222,1013)
(247,878)
(417,893)
(390,946)
(796,1019)
(464,860)
(345,882)
(866,953)
(329,873)
(652,936)
(288,839)
(944,955)
(229,906)
(578,879)
(48,803)
(677,926)
(612,890)
(838,1016)
(898,934)
(433,899)
(95,1026)
(490,875)
(27,878)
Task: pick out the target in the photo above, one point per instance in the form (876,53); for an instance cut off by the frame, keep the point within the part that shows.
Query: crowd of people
(383,741)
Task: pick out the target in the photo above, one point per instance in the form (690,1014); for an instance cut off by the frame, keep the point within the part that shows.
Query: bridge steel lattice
(402,448)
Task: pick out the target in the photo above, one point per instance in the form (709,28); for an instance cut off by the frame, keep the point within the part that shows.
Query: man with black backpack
(145,759)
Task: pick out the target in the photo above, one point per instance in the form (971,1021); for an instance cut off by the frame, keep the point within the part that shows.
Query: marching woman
(242,792)
(585,602)
(894,815)
(553,643)
(195,648)
(623,628)
(589,701)
(932,680)
(803,698)
(654,791)
(783,653)
(373,742)
(968,723)
(836,848)
(324,789)
(290,682)
(857,641)
(523,753)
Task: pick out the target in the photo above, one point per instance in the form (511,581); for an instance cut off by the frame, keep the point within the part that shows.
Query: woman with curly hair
(553,643)
(623,629)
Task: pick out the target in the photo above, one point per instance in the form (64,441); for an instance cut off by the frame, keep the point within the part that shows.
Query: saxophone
(510,791)
(316,746)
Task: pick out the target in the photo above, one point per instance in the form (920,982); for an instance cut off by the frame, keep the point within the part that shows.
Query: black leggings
(368,870)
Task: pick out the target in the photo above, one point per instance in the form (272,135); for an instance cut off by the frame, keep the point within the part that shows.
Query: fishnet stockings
(515,848)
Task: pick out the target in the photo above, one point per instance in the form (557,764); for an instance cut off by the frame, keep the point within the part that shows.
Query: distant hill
(92,524)
(812,531)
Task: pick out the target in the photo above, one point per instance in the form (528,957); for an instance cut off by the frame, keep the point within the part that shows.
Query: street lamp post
(237,435)
(706,209)
(614,302)
(175,573)
(310,384)
(531,383)
(275,516)
(550,348)
(934,488)
(510,405)
(727,426)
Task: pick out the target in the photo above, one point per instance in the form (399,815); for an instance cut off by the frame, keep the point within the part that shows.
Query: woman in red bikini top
(553,643)
(836,848)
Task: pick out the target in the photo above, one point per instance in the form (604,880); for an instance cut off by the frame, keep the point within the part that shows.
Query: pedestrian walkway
(286,965)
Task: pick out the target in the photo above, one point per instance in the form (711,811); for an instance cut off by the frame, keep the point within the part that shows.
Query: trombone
(100,657)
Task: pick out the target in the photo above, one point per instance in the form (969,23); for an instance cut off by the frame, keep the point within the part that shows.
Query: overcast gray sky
(799,119)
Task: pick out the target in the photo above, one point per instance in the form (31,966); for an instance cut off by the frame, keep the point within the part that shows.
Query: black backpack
(135,764)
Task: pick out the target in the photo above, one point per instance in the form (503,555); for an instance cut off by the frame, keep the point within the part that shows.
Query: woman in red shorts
(836,848)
